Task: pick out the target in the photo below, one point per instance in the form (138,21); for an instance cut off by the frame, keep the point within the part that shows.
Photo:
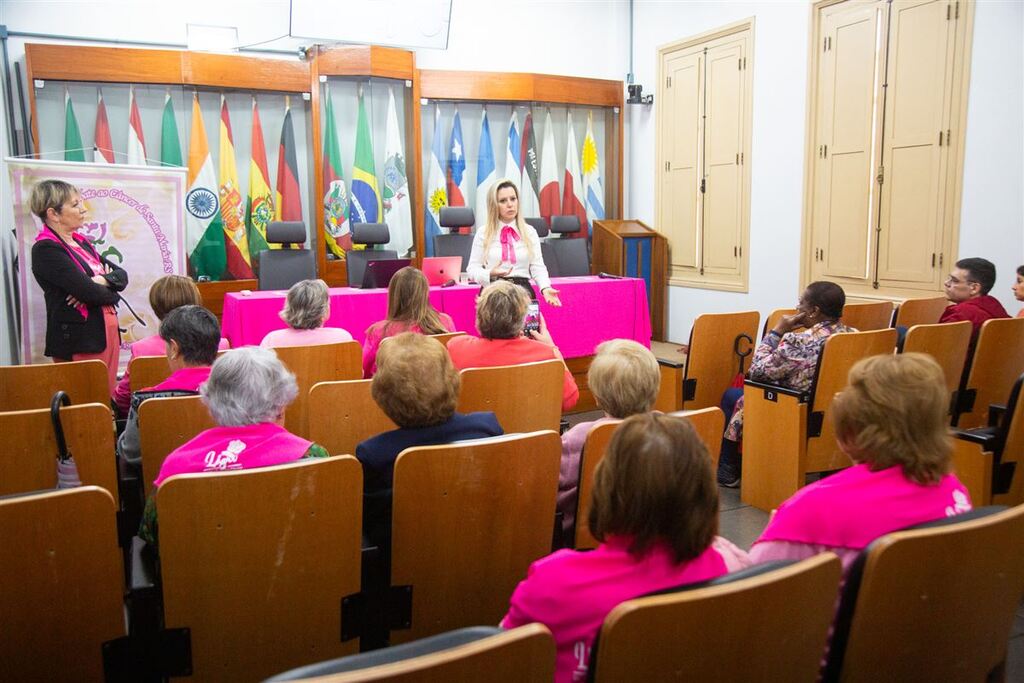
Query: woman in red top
(500,312)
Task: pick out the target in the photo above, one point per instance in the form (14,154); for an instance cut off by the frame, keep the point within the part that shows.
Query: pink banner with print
(135,219)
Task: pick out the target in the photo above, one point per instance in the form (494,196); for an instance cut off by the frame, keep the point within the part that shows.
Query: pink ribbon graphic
(509,237)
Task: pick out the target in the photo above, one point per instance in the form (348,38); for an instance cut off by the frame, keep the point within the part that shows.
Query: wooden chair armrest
(803,396)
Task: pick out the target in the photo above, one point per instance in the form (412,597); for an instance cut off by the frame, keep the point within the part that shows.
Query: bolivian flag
(204,233)
(260,209)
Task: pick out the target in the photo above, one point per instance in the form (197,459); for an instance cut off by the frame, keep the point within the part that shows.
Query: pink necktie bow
(509,237)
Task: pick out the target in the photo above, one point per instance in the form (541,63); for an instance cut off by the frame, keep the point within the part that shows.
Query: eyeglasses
(950,280)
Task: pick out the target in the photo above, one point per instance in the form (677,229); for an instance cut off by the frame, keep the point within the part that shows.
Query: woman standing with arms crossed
(80,287)
(508,248)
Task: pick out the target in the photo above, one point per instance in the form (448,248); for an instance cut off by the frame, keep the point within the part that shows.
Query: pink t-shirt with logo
(293,337)
(571,592)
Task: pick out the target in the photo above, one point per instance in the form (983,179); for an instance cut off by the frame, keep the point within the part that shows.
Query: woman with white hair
(246,394)
(306,309)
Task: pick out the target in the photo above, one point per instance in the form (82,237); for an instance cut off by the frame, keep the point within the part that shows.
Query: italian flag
(232,213)
(204,233)
(259,208)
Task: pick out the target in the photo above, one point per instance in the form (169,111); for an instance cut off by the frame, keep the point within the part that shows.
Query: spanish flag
(232,213)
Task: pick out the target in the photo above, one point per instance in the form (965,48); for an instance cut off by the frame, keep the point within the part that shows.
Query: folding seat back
(934,603)
(773,319)
(720,346)
(343,414)
(873,315)
(466,655)
(945,342)
(998,361)
(446,337)
(525,397)
(257,565)
(468,519)
(920,311)
(62,580)
(148,371)
(164,425)
(990,460)
(312,364)
(29,461)
(654,638)
(29,387)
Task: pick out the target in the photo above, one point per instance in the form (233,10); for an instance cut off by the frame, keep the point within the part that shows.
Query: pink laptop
(441,269)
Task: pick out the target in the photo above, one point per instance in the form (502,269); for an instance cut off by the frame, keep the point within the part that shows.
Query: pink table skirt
(593,310)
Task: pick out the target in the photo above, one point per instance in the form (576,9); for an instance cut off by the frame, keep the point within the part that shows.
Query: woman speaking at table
(508,248)
(80,287)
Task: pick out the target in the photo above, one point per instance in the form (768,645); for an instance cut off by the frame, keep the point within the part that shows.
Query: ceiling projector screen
(399,23)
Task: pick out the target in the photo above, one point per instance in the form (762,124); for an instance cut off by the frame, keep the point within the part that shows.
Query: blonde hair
(895,411)
(416,384)
(50,194)
(500,310)
(170,292)
(409,302)
(493,224)
(307,306)
(624,378)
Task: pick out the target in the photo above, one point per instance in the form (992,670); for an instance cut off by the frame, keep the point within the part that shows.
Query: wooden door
(682,165)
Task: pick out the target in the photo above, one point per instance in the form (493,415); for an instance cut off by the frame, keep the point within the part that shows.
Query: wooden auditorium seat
(709,424)
(446,337)
(773,319)
(920,311)
(998,361)
(788,434)
(342,414)
(863,317)
(990,460)
(945,342)
(148,371)
(312,364)
(29,460)
(62,583)
(468,519)
(934,603)
(165,424)
(525,397)
(713,361)
(27,387)
(468,655)
(766,623)
(256,564)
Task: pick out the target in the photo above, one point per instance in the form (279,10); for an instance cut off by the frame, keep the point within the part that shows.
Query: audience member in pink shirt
(624,378)
(409,310)
(892,420)
(655,511)
(306,309)
(1018,289)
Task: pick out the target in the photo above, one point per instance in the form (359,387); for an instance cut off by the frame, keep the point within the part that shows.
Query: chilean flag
(456,174)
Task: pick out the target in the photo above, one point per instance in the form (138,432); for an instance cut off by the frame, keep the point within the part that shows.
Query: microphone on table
(609,276)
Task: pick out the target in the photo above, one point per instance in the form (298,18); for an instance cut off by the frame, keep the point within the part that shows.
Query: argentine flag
(436,193)
(485,175)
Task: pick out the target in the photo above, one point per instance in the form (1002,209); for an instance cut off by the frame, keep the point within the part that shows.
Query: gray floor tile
(728,499)
(742,525)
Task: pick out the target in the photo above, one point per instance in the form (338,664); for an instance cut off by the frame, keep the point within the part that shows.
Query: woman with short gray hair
(307,307)
(247,394)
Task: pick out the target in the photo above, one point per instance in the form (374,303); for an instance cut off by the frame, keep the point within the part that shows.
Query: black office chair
(282,268)
(571,253)
(372,235)
(540,225)
(454,243)
(547,251)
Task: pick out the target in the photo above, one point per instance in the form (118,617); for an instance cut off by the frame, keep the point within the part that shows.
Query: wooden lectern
(633,249)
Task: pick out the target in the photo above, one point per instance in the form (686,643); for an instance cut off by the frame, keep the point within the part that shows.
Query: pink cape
(234,448)
(852,508)
(185,379)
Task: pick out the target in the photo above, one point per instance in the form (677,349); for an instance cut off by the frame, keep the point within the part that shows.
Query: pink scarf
(234,448)
(509,237)
(852,508)
(47,234)
(185,379)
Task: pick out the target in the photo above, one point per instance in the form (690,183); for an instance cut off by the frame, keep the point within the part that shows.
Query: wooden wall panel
(247,73)
(483,85)
(382,62)
(102,64)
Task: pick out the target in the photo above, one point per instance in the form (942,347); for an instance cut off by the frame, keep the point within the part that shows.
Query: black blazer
(59,273)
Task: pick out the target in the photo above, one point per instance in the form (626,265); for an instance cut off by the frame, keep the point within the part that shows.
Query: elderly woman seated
(500,313)
(624,378)
(191,335)
(247,393)
(892,422)
(784,357)
(655,512)
(417,387)
(306,309)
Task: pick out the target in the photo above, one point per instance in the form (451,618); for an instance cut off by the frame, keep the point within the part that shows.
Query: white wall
(992,220)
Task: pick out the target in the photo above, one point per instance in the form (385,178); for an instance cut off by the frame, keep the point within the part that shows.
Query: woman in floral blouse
(785,358)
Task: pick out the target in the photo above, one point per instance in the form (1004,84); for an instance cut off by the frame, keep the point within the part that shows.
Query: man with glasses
(968,288)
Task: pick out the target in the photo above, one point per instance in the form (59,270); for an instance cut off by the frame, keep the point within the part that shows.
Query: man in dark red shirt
(968,288)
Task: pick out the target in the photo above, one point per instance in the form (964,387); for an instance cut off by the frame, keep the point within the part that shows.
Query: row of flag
(581,193)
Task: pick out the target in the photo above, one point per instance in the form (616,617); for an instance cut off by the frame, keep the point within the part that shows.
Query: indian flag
(204,232)
(232,213)
(260,206)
